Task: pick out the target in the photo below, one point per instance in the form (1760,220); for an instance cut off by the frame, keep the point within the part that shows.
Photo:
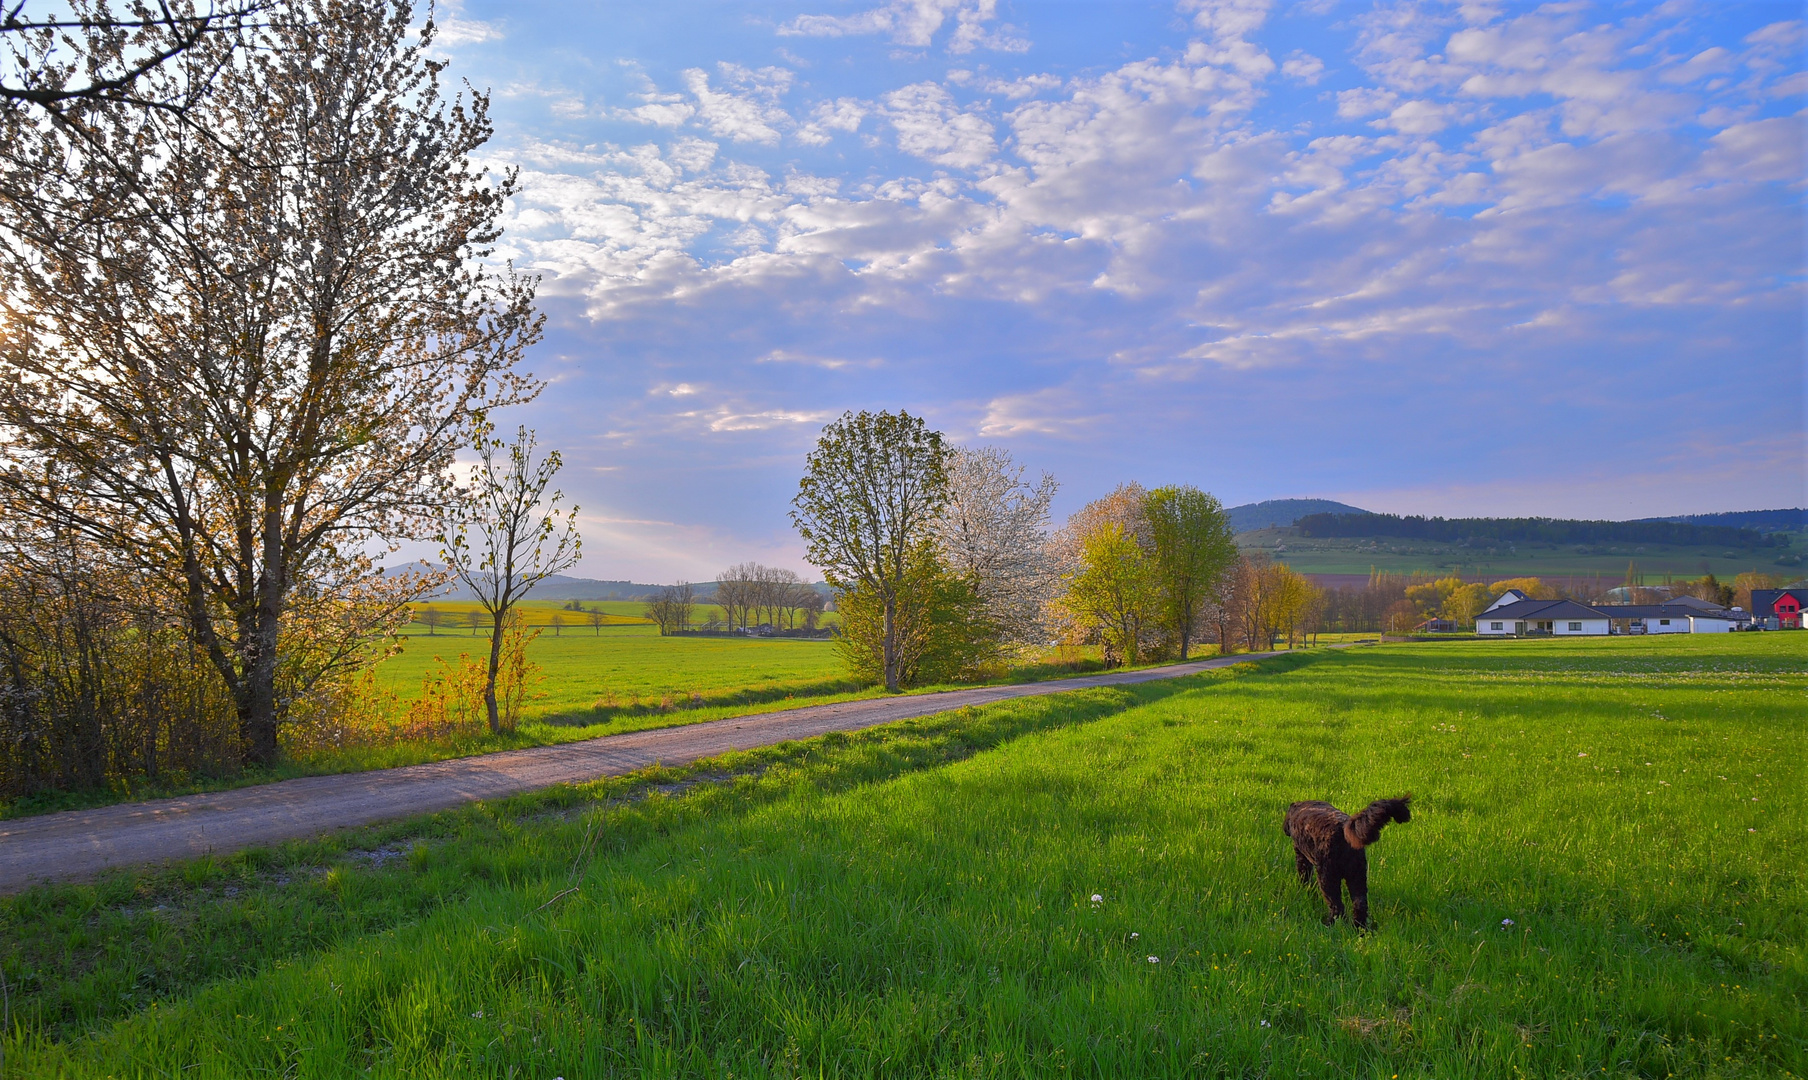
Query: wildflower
(1154,959)
(1266,1024)
(1582,755)
(1134,935)
(1506,923)
(1097,899)
(478,1015)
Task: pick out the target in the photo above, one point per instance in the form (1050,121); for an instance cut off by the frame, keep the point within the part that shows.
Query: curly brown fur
(1331,842)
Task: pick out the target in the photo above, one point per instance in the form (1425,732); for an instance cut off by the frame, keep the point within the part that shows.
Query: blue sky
(1482,259)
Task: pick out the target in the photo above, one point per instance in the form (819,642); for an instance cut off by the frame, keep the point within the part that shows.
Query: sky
(1470,259)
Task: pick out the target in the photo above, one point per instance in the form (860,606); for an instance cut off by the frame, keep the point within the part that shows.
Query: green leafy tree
(1116,589)
(939,626)
(871,493)
(1194,551)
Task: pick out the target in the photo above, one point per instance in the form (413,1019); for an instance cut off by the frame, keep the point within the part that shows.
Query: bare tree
(670,608)
(810,605)
(598,619)
(430,617)
(257,348)
(736,594)
(521,535)
(995,530)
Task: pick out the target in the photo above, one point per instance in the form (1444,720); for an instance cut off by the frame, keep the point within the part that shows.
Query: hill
(1282,512)
(1794,520)
(1532,530)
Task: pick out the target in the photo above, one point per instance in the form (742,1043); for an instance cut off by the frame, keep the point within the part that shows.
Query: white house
(1685,615)
(1522,617)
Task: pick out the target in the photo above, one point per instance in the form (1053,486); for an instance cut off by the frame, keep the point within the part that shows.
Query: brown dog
(1330,841)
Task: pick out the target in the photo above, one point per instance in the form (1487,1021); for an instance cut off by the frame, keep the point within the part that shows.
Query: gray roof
(1543,611)
(1662,611)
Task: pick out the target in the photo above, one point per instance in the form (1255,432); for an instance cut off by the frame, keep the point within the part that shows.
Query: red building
(1783,605)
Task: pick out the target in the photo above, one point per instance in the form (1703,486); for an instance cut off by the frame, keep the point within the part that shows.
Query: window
(1575,628)
(1495,626)
(1663,622)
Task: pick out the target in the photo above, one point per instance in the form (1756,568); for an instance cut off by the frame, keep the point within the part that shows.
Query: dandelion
(1097,899)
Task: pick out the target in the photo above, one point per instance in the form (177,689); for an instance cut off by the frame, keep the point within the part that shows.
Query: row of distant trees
(250,318)
(944,563)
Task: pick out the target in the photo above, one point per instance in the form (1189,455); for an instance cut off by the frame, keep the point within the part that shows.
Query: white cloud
(840,115)
(932,127)
(914,23)
(1303,67)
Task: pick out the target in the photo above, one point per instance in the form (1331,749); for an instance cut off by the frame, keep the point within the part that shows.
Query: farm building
(1522,618)
(1779,608)
(1671,618)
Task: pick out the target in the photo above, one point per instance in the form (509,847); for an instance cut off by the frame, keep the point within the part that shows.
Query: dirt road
(77,844)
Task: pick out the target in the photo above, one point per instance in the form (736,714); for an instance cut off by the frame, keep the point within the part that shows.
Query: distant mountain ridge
(1277,513)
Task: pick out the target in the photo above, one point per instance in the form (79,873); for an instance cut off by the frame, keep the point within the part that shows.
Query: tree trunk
(889,645)
(489,683)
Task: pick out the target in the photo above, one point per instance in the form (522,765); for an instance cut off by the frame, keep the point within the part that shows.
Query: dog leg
(1359,891)
(1331,885)
(1303,865)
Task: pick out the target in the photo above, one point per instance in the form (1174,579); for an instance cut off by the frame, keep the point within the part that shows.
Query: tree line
(944,564)
(1538,530)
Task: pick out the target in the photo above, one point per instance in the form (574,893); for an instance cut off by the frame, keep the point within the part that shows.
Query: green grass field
(586,671)
(1603,877)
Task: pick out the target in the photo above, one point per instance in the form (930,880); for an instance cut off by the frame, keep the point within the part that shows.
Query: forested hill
(1795,520)
(1534,530)
(1267,515)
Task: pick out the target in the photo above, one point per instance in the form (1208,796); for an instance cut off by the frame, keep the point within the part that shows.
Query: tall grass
(1603,876)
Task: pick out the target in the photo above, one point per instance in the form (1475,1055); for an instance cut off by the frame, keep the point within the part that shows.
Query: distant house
(1779,609)
(1533,618)
(1674,617)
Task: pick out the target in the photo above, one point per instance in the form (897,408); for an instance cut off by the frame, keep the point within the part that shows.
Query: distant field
(586,671)
(1604,876)
(555,615)
(1356,556)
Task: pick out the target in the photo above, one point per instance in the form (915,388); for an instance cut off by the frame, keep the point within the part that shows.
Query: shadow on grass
(79,956)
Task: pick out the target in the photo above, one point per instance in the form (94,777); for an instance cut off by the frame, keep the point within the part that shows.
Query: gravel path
(77,844)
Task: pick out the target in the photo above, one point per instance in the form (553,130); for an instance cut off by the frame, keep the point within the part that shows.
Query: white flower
(1154,959)
(1097,899)
(1582,755)
(1266,1024)
(1134,935)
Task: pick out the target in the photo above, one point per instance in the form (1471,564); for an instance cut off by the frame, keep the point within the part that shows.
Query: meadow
(604,672)
(1603,877)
